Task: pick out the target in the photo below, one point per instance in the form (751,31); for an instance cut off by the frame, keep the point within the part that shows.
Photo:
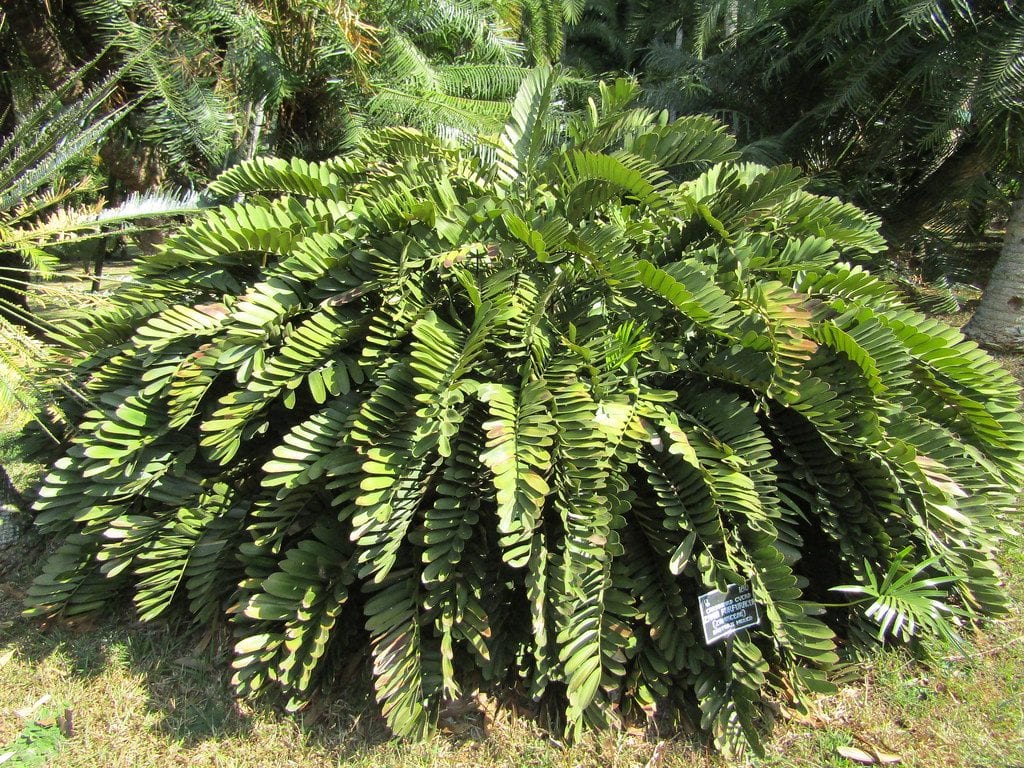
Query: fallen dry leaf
(314,709)
(203,643)
(10,590)
(658,757)
(26,713)
(191,662)
(865,757)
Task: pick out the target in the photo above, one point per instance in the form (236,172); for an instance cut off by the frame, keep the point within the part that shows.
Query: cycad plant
(497,416)
(38,178)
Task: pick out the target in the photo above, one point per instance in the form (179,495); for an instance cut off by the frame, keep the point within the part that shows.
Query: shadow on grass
(183,684)
(961,710)
(190,695)
(184,675)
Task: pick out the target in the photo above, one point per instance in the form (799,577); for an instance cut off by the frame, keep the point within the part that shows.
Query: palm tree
(47,199)
(47,196)
(220,81)
(925,123)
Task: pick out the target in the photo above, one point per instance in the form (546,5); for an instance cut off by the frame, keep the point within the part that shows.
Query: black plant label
(723,614)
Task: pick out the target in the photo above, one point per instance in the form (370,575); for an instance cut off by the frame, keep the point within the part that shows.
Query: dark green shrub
(507,412)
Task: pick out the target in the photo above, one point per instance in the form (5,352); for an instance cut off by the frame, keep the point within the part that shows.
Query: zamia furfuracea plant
(498,415)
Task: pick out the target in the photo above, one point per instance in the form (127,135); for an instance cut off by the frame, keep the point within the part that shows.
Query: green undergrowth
(41,738)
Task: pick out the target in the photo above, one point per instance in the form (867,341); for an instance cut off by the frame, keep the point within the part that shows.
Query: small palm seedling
(502,414)
(902,604)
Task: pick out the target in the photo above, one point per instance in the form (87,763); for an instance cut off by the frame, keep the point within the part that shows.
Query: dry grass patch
(142,695)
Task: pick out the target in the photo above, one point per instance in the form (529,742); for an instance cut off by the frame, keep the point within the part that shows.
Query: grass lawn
(144,695)
(148,695)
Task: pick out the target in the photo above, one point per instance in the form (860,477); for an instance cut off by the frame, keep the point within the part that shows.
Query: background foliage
(910,109)
(219,82)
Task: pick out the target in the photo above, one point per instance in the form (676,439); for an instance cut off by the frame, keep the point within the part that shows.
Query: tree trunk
(906,218)
(999,320)
(10,497)
(35,28)
(14,289)
(19,543)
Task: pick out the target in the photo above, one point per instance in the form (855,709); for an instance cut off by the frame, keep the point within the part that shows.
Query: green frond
(518,454)
(527,129)
(405,682)
(290,616)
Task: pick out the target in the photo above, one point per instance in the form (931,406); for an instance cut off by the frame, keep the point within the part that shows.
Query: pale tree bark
(999,320)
